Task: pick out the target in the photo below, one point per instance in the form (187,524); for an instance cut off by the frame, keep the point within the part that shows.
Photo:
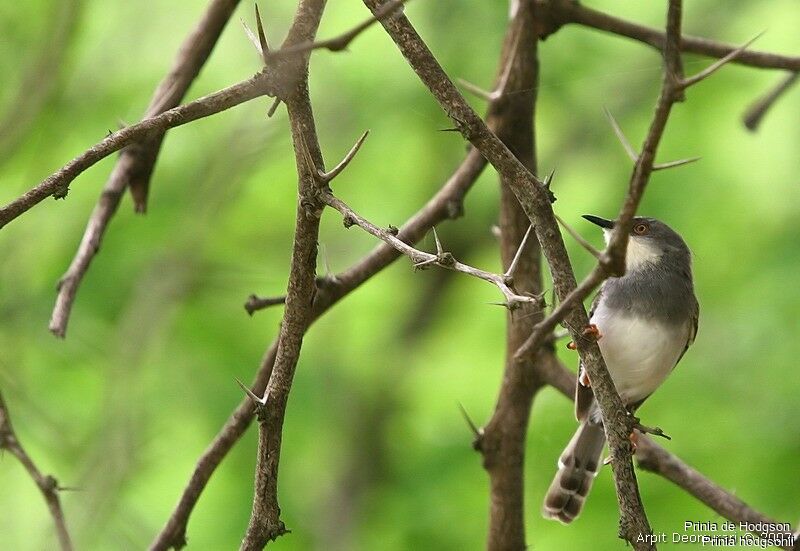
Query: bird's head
(650,239)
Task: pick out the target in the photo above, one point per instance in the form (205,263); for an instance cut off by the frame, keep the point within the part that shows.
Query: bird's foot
(592,330)
(634,438)
(583,379)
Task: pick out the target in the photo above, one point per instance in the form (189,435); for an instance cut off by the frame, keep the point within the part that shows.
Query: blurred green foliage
(376,455)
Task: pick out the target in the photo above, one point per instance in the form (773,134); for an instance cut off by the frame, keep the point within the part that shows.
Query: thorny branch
(423,259)
(445,204)
(265,523)
(57,184)
(47,485)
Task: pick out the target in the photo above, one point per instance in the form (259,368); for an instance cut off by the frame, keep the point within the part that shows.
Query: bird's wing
(584,396)
(693,324)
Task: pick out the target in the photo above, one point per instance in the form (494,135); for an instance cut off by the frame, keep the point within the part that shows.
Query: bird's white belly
(639,353)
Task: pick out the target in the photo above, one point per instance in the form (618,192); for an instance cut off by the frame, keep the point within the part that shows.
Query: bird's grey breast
(660,292)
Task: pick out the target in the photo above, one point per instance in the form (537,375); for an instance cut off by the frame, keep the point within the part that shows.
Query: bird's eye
(640,229)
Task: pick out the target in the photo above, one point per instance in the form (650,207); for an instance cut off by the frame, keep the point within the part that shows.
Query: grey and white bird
(645,321)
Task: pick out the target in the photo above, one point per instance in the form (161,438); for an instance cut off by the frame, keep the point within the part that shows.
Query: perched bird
(644,322)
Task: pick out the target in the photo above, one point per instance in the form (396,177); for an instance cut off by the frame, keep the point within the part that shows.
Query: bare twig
(57,184)
(255,303)
(421,259)
(562,13)
(342,41)
(47,485)
(755,113)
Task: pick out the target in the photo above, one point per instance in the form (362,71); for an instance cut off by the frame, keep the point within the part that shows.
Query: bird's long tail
(577,467)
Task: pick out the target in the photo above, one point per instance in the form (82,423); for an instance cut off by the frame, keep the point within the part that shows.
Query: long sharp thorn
(472,426)
(714,67)
(621,136)
(333,173)
(262,38)
(579,238)
(307,155)
(252,38)
(518,254)
(439,249)
(256,399)
(477,90)
(673,164)
(549,179)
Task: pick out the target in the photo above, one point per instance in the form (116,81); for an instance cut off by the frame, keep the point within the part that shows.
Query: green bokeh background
(375,453)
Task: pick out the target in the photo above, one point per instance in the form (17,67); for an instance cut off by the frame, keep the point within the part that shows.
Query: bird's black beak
(602,222)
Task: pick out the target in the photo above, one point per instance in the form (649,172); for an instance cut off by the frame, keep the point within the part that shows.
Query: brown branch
(501,442)
(136,162)
(57,184)
(653,458)
(265,523)
(445,204)
(755,113)
(47,485)
(535,200)
(558,13)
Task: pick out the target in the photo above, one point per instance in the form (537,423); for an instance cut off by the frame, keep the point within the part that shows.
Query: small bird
(644,322)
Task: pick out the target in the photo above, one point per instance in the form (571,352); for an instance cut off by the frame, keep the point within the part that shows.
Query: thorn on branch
(579,238)
(258,402)
(713,68)
(673,164)
(439,250)
(632,152)
(509,275)
(478,91)
(546,184)
(621,136)
(262,37)
(326,177)
(477,433)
